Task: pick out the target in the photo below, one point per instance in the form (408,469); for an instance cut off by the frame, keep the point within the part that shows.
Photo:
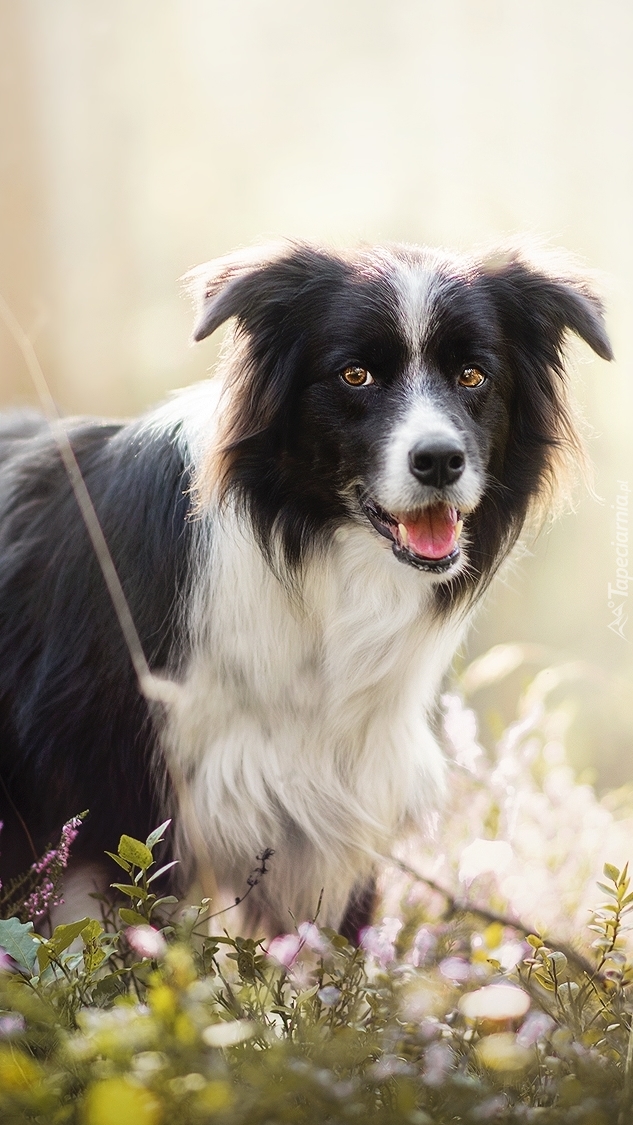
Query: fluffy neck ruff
(302,724)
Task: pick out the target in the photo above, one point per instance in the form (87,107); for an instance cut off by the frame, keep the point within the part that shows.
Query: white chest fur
(302,725)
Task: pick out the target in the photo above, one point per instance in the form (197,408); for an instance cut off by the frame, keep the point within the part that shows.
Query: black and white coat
(264,527)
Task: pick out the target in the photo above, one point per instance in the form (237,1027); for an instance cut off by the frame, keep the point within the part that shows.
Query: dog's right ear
(223,287)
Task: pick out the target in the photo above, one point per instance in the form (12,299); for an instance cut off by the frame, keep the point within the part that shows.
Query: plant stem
(464,906)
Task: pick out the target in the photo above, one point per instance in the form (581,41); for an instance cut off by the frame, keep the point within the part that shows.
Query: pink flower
(284,949)
(41,900)
(11,1024)
(146,941)
(535,1027)
(379,941)
(312,937)
(59,855)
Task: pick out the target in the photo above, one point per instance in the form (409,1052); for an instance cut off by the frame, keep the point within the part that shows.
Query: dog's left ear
(538,304)
(223,287)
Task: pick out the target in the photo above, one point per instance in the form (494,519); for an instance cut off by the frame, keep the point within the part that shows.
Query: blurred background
(140,137)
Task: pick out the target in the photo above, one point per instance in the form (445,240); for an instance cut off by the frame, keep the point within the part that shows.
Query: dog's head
(412,391)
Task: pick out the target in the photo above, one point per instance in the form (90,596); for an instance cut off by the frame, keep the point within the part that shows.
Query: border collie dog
(301,541)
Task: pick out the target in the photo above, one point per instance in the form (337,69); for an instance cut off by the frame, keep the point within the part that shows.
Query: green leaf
(93,958)
(305,997)
(130,890)
(544,979)
(135,852)
(17,938)
(611,872)
(121,862)
(156,836)
(44,955)
(162,870)
(109,987)
(131,917)
(534,941)
(92,931)
(63,936)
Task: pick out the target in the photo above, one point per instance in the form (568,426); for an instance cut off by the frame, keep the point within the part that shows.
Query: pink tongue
(432,534)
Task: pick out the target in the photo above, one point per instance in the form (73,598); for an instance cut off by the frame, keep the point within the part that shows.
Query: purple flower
(455,969)
(535,1027)
(59,855)
(41,900)
(423,947)
(329,995)
(7,963)
(438,1060)
(11,1024)
(494,1107)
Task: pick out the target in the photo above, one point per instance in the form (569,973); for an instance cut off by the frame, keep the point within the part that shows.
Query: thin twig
(152,687)
(464,906)
(252,881)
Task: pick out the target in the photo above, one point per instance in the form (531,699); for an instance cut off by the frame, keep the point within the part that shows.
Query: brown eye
(357,377)
(471,377)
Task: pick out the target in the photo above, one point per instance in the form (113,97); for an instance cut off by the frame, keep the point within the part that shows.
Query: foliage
(37,890)
(451,1010)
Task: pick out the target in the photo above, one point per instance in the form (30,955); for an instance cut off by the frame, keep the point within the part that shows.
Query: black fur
(298,449)
(297,436)
(74,732)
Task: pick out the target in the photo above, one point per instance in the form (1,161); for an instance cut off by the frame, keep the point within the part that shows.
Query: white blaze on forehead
(419,281)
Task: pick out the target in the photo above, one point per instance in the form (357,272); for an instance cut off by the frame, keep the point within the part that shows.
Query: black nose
(437,462)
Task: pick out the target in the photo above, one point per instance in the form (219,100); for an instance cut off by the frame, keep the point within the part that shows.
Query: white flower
(499,1002)
(510,953)
(229,1033)
(483,856)
(460,725)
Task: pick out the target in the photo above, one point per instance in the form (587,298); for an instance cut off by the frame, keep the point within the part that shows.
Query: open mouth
(426,539)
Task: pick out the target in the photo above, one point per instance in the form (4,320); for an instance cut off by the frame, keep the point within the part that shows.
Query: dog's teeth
(404,535)
(458,529)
